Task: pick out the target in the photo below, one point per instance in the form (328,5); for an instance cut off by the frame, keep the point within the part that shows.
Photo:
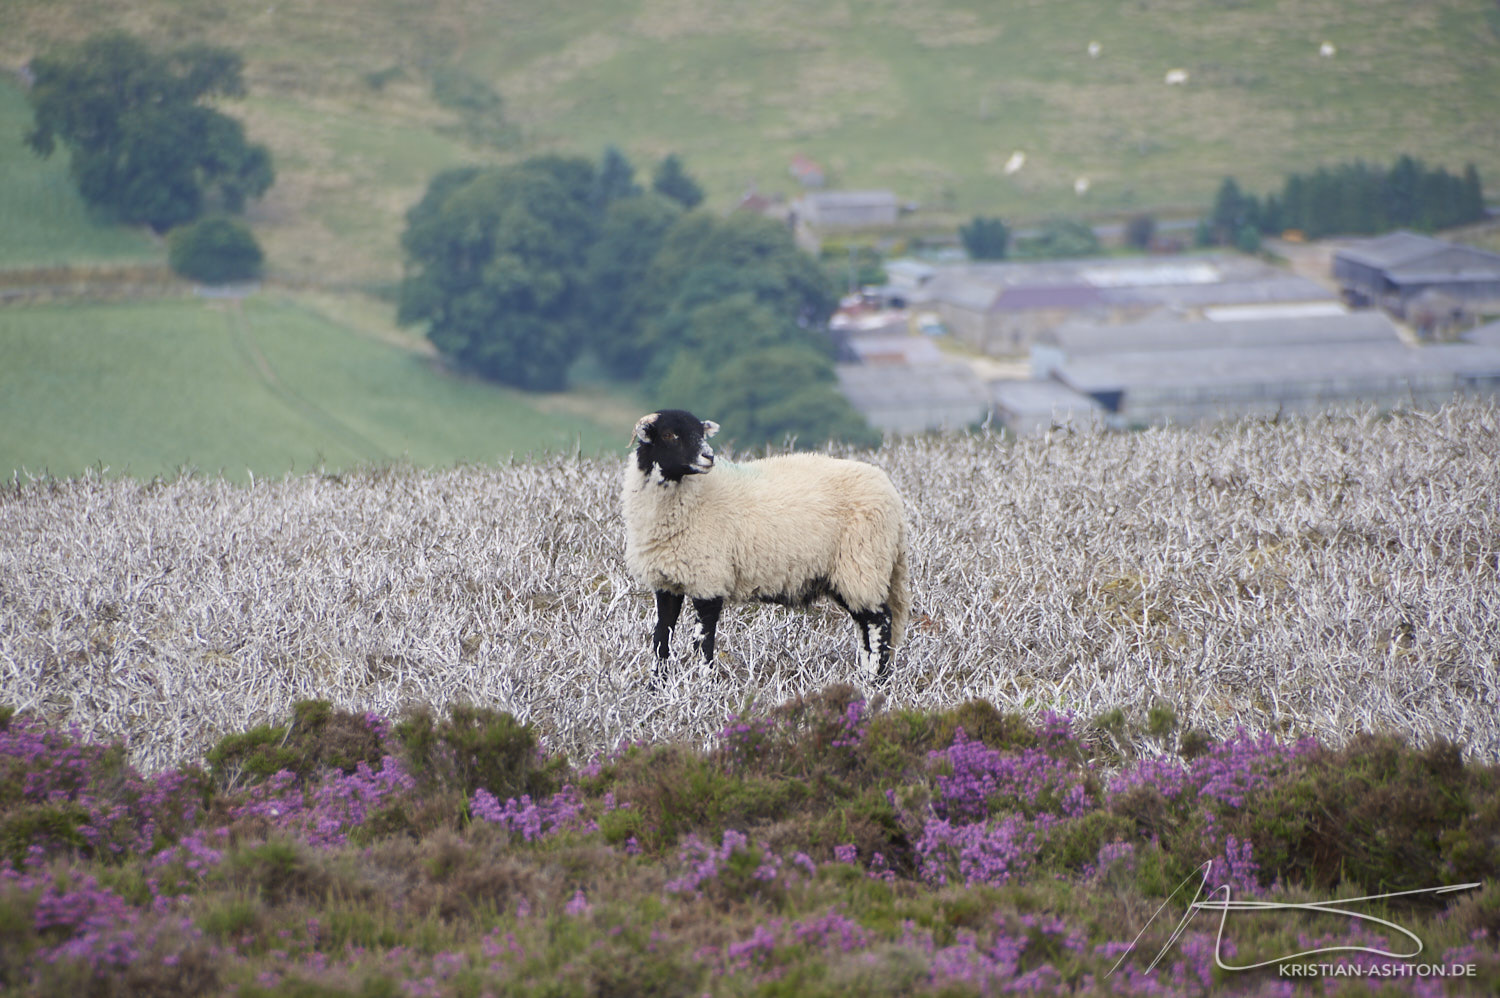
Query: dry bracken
(1325,576)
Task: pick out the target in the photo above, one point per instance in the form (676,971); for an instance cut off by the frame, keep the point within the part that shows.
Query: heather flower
(1236,868)
(982,778)
(746,740)
(978,853)
(563,811)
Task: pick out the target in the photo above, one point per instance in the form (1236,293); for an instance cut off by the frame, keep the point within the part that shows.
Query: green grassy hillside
(266,386)
(929,99)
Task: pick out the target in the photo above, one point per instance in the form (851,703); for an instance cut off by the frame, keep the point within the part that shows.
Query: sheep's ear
(643,424)
(710,427)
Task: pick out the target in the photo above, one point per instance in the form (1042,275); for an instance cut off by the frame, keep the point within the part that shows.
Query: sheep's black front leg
(668,606)
(708,622)
(875,640)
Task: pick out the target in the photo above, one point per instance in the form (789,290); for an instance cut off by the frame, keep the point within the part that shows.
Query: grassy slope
(146,387)
(929,99)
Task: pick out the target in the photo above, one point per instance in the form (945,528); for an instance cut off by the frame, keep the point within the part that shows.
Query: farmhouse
(824,210)
(1002,308)
(1397,270)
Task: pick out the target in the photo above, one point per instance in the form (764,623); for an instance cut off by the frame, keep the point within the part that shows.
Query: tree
(1060,238)
(1473,197)
(672,181)
(1233,211)
(1140,231)
(495,262)
(615,179)
(630,235)
(760,252)
(736,332)
(985,238)
(215,251)
(144,147)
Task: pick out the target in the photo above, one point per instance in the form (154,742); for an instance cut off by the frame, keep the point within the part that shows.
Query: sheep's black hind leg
(875,640)
(668,606)
(708,623)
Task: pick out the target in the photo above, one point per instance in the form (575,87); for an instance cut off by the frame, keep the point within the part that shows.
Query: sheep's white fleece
(772,529)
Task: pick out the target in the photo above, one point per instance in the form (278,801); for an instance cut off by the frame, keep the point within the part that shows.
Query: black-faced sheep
(781,530)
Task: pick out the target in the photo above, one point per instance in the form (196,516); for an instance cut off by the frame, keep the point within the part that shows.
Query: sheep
(784,529)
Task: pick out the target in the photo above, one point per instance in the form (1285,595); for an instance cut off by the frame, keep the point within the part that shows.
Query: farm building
(915,397)
(1077,340)
(1197,385)
(824,210)
(1002,308)
(1027,408)
(1397,270)
(1189,371)
(1485,336)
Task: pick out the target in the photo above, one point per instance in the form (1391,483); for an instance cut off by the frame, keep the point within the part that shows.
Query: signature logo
(1226,904)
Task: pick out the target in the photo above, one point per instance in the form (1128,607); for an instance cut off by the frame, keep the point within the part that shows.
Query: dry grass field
(1322,577)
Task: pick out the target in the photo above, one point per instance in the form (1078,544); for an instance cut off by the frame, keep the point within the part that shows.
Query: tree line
(518,270)
(146,146)
(1349,199)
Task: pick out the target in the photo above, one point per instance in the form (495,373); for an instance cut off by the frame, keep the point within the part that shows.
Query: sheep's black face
(675,443)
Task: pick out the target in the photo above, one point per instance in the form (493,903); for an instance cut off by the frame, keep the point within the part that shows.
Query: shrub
(478,748)
(317,737)
(215,251)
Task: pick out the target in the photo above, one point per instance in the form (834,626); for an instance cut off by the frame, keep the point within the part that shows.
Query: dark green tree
(760,254)
(1360,199)
(145,146)
(630,235)
(1140,230)
(1400,191)
(770,382)
(985,238)
(215,251)
(672,180)
(784,393)
(1233,210)
(615,179)
(494,266)
(1473,196)
(1060,238)
(736,333)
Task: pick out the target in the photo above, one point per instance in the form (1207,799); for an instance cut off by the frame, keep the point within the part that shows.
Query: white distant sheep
(1014,164)
(1176,77)
(783,530)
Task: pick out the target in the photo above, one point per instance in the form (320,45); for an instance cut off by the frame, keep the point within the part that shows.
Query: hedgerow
(823,845)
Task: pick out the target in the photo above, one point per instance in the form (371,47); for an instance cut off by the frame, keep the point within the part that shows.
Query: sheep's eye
(668,435)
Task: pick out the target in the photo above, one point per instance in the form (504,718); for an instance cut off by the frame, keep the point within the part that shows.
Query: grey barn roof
(1485,336)
(1410,258)
(1185,282)
(1082,339)
(1392,249)
(899,398)
(1219,367)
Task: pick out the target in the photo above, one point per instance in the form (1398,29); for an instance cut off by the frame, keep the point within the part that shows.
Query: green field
(927,99)
(264,386)
(42,220)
